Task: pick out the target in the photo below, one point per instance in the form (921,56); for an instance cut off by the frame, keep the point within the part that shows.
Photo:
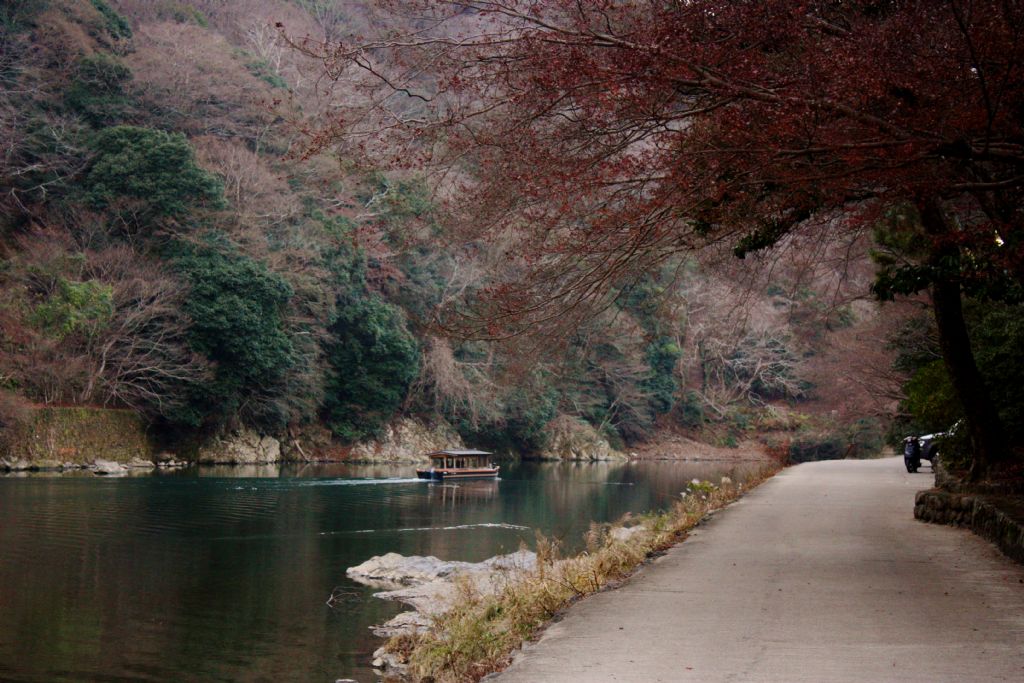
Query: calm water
(223,574)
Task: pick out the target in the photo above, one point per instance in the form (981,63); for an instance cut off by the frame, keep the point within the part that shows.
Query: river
(222,574)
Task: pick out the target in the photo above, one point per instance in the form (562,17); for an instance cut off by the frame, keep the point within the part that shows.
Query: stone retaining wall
(60,437)
(986,516)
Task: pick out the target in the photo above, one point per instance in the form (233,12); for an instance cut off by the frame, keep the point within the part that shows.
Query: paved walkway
(819,575)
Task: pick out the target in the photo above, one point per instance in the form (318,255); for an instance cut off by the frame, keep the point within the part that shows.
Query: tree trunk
(983,423)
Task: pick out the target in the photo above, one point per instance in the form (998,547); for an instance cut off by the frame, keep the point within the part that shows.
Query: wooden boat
(459,464)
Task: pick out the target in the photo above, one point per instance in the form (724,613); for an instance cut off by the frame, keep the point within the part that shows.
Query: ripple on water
(193,577)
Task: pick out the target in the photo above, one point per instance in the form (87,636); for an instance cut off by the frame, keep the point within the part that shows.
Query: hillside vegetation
(168,249)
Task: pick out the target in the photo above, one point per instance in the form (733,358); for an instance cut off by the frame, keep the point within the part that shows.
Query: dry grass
(478,636)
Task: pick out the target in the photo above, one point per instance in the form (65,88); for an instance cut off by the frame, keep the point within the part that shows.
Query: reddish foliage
(612,134)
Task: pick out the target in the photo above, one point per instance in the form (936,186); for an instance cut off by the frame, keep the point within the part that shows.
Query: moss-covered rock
(570,438)
(61,437)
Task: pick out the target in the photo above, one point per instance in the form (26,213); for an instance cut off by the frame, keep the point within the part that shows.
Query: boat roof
(450,453)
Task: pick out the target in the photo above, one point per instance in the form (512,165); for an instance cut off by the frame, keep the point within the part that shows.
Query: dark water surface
(222,574)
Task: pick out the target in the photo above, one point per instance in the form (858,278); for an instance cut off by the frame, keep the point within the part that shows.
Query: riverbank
(114,442)
(669,445)
(482,627)
(239,561)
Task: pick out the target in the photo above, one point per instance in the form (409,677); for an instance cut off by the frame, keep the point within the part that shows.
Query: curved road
(821,574)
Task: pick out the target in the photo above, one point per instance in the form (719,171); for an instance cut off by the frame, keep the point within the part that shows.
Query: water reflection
(223,573)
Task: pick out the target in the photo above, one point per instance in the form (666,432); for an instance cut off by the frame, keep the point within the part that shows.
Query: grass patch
(481,632)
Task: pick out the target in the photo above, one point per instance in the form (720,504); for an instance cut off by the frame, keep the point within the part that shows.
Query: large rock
(108,468)
(570,438)
(430,585)
(393,570)
(309,443)
(15,464)
(403,622)
(242,447)
(407,440)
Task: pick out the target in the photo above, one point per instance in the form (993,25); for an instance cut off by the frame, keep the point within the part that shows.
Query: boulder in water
(108,468)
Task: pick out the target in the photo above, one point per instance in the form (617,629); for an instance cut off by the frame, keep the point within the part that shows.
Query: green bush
(18,15)
(997,335)
(517,420)
(98,90)
(236,305)
(261,70)
(930,403)
(866,435)
(528,414)
(146,174)
(662,385)
(117,26)
(373,359)
(930,398)
(817,447)
(75,307)
(183,13)
(690,410)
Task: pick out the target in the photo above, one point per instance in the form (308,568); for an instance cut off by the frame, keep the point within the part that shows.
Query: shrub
(528,415)
(261,70)
(997,335)
(183,13)
(17,15)
(74,307)
(145,174)
(98,90)
(117,26)
(373,359)
(930,398)
(810,448)
(662,385)
(236,305)
(866,435)
(930,403)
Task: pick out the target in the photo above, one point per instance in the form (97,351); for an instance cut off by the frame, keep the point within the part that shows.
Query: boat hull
(445,474)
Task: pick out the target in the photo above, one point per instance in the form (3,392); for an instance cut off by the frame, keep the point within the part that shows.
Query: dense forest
(173,245)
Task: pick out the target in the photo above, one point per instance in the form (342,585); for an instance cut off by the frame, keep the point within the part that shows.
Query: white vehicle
(925,447)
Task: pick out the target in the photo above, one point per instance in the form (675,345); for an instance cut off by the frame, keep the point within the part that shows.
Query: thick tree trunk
(983,423)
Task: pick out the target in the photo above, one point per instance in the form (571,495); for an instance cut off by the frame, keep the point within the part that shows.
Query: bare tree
(141,357)
(453,386)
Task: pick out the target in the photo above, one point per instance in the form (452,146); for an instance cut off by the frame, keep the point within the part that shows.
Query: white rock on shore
(108,468)
(407,440)
(393,570)
(242,447)
(429,584)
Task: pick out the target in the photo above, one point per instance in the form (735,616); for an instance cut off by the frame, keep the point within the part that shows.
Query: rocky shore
(431,586)
(428,584)
(98,466)
(470,617)
(116,442)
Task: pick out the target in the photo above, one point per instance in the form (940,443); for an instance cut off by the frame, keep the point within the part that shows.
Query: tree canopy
(611,135)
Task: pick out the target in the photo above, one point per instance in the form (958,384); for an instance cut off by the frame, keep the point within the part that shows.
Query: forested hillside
(170,249)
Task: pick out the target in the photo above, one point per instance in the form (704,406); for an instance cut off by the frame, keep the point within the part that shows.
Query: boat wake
(456,527)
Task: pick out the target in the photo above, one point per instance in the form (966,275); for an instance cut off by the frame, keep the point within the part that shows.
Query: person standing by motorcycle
(911,453)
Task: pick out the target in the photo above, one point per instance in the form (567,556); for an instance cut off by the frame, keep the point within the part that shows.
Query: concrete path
(819,575)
